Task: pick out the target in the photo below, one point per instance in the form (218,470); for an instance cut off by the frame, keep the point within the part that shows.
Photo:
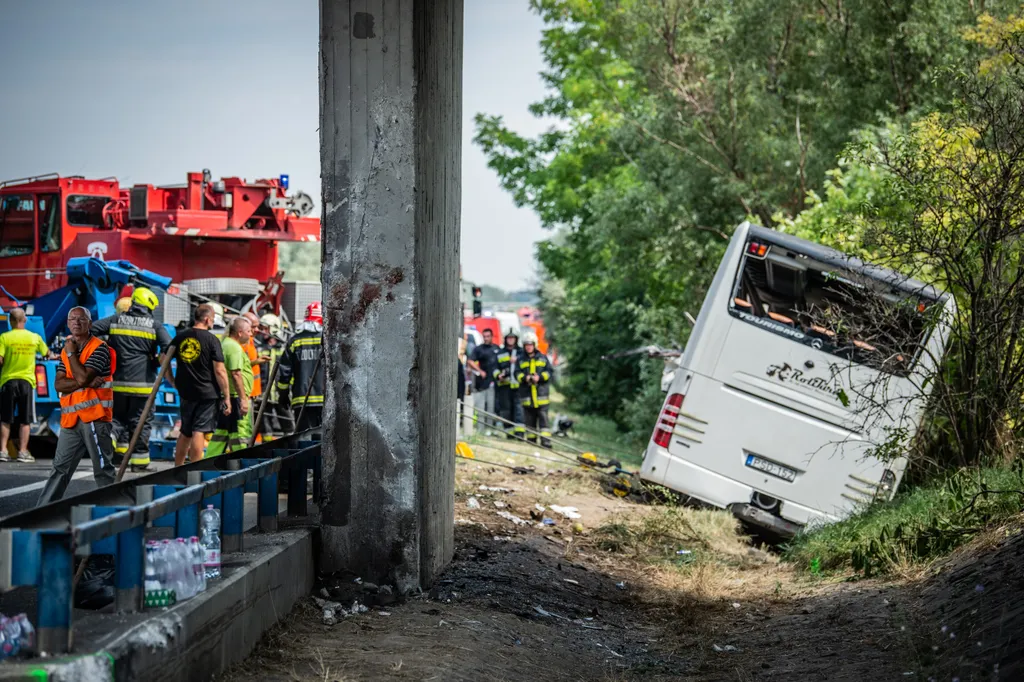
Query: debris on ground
(472,503)
(567,512)
(513,518)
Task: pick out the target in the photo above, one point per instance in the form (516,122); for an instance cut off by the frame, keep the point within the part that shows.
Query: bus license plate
(777,470)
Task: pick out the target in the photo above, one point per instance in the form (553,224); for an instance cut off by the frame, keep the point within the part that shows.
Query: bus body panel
(769,413)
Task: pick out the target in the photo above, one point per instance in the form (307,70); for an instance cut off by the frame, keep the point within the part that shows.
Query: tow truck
(95,285)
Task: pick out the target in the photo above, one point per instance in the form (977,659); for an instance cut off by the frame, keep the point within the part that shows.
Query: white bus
(801,361)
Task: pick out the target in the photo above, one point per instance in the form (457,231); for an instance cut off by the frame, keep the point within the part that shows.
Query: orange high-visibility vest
(88,404)
(257,381)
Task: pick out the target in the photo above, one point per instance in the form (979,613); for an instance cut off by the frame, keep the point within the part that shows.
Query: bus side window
(49,223)
(17,225)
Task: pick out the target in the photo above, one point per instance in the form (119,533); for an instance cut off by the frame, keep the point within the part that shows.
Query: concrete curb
(199,638)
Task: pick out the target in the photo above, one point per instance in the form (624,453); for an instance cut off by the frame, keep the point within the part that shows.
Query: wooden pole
(263,401)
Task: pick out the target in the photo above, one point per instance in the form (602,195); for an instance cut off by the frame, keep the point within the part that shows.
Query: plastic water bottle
(152,583)
(28,633)
(198,570)
(10,637)
(184,560)
(209,522)
(172,571)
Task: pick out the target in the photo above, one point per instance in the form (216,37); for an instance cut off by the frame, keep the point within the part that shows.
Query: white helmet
(529,337)
(273,324)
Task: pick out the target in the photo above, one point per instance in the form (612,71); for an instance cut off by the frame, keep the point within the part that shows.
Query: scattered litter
(512,517)
(358,580)
(736,605)
(503,538)
(443,622)
(499,504)
(540,508)
(494,489)
(467,522)
(547,521)
(472,503)
(383,613)
(547,489)
(548,614)
(570,581)
(621,585)
(577,528)
(684,552)
(727,647)
(324,593)
(567,512)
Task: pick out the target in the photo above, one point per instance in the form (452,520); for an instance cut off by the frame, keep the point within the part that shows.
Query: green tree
(677,120)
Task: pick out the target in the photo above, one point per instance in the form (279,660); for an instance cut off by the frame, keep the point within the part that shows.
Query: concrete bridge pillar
(390,151)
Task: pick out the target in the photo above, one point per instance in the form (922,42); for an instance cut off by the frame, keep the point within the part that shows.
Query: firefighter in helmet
(507,391)
(270,340)
(137,340)
(302,371)
(534,376)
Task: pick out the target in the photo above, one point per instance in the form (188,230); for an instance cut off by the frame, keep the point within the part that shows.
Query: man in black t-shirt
(202,383)
(484,364)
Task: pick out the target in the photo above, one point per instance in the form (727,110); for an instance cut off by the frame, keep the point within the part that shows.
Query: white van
(801,361)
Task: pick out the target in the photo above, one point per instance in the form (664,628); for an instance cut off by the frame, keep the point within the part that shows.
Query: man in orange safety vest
(86,407)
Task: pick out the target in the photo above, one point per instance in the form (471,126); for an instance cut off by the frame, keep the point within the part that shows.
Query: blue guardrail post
(56,578)
(268,503)
(129,570)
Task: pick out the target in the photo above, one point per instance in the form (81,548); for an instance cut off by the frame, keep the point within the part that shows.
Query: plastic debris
(567,512)
(499,504)
(736,605)
(571,581)
(512,517)
(494,489)
(722,649)
(621,585)
(547,521)
(539,507)
(472,503)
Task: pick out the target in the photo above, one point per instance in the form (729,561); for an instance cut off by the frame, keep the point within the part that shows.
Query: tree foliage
(676,120)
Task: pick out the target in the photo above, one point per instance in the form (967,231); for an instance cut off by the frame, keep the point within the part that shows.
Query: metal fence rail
(37,548)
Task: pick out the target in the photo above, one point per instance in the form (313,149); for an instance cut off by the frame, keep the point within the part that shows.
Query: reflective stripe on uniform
(85,404)
(138,387)
(132,330)
(312,341)
(312,400)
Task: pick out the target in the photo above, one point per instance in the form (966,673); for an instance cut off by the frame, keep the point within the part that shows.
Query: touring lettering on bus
(767,323)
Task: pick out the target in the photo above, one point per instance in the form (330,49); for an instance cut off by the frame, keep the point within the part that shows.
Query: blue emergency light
(284,181)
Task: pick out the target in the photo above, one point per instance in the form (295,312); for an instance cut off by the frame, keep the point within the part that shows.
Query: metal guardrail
(38,548)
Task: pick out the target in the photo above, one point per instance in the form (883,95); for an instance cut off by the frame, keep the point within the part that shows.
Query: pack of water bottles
(17,636)
(179,569)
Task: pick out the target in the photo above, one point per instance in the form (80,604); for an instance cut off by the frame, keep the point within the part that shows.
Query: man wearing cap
(138,339)
(302,372)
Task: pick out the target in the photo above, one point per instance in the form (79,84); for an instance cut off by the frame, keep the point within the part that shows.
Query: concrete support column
(390,150)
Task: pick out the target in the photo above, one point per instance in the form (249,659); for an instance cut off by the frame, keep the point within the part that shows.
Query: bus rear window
(837,311)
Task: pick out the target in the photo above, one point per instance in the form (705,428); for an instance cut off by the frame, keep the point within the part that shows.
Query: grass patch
(920,524)
(599,435)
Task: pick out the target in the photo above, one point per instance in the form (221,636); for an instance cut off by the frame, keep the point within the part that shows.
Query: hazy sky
(148,91)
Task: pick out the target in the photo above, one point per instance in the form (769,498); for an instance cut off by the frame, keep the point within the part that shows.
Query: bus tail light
(42,388)
(667,421)
(757,249)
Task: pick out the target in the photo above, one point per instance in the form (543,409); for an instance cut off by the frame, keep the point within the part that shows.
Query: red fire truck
(200,231)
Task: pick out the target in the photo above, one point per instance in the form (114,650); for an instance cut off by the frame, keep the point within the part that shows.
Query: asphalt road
(21,483)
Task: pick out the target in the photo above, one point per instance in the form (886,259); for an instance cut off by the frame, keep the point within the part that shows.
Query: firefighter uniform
(136,338)
(507,390)
(535,397)
(298,362)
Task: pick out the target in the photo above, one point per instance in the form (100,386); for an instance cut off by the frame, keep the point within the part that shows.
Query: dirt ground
(613,599)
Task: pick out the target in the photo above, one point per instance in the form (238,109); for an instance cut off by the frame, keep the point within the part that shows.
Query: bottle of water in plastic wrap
(209,522)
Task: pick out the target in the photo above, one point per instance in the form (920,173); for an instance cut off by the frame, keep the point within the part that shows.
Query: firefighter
(507,392)
(270,344)
(534,377)
(137,339)
(301,357)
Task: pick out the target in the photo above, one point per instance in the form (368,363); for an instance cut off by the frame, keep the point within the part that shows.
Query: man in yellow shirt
(234,429)
(18,350)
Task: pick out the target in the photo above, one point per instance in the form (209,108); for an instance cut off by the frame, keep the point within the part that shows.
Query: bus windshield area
(834,310)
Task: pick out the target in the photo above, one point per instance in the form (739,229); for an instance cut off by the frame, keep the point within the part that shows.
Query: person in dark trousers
(85,383)
(534,376)
(507,386)
(202,383)
(296,376)
(138,340)
(483,362)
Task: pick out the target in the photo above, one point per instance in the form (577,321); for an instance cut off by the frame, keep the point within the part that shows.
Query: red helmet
(314,313)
